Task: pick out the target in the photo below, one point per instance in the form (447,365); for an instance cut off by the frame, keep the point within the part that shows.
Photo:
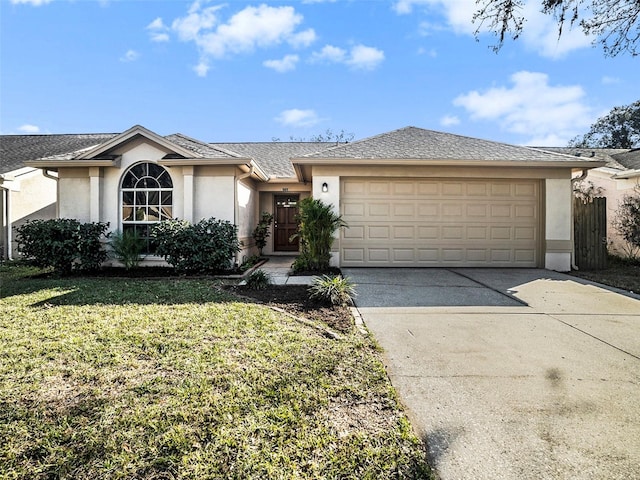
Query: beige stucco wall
(31,196)
(74,193)
(614,190)
(198,192)
(558,224)
(330,197)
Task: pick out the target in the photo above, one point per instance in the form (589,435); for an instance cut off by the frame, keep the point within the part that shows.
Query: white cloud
(532,108)
(432,52)
(130,56)
(202,68)
(607,80)
(298,118)
(365,58)
(286,64)
(360,57)
(158,31)
(540,33)
(197,20)
(247,30)
(330,53)
(449,120)
(35,3)
(28,128)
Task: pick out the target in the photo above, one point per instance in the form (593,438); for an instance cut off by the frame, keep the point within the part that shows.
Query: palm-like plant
(317,223)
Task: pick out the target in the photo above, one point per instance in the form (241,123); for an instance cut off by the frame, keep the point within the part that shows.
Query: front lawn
(129,378)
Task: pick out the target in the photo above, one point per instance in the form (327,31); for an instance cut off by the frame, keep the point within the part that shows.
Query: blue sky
(252,71)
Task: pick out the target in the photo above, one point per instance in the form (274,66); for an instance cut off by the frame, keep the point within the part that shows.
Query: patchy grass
(624,274)
(118,378)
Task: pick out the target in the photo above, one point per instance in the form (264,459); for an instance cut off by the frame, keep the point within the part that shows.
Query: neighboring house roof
(413,143)
(629,159)
(17,149)
(604,154)
(274,157)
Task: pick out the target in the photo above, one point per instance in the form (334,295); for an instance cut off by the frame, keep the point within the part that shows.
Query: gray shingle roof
(629,159)
(602,154)
(420,144)
(201,149)
(17,149)
(273,157)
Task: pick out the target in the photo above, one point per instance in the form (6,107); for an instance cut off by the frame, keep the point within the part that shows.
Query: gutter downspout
(46,174)
(6,193)
(575,180)
(236,209)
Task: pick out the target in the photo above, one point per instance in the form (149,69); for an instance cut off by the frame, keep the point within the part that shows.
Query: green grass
(112,378)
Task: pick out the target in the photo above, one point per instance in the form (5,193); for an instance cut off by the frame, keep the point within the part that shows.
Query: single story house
(411,197)
(619,176)
(28,193)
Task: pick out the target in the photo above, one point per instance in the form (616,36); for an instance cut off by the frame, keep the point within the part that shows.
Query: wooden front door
(285,225)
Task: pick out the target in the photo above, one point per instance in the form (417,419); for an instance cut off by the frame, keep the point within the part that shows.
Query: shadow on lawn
(117,291)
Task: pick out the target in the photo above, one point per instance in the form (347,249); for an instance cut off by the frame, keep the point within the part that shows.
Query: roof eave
(43,163)
(455,163)
(248,163)
(627,174)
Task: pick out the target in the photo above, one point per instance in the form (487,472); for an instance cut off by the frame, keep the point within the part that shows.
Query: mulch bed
(295,300)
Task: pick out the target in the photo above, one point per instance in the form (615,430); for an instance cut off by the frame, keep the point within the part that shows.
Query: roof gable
(135,132)
(412,143)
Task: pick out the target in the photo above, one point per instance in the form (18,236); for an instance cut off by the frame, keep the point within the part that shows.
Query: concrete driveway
(514,374)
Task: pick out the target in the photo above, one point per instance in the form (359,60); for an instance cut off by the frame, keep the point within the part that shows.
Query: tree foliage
(328,136)
(627,221)
(620,128)
(615,24)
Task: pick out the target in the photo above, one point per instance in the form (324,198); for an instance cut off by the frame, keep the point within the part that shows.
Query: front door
(285,225)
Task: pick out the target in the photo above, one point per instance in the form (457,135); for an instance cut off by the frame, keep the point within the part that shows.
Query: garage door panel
(425,222)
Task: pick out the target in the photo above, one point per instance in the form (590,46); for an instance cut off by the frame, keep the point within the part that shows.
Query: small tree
(127,247)
(262,232)
(317,222)
(627,222)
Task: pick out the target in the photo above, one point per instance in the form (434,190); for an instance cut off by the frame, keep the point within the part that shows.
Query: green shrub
(207,246)
(127,247)
(64,244)
(249,262)
(258,280)
(261,232)
(317,222)
(336,289)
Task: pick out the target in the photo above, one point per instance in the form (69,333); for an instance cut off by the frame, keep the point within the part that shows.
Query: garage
(440,222)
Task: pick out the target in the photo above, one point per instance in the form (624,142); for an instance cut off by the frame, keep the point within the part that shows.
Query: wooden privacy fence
(590,232)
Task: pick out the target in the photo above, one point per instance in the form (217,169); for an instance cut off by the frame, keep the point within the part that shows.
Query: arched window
(146,194)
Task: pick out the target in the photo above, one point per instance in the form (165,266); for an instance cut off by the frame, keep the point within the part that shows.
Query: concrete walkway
(279,270)
(511,374)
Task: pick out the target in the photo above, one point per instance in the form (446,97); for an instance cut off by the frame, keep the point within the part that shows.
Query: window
(147,198)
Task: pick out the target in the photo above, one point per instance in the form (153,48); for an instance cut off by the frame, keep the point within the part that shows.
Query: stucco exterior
(25,194)
(614,189)
(237,182)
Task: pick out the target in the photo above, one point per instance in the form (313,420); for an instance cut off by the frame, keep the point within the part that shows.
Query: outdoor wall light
(325,187)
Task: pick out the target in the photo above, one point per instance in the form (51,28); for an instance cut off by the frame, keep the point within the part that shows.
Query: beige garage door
(440,223)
